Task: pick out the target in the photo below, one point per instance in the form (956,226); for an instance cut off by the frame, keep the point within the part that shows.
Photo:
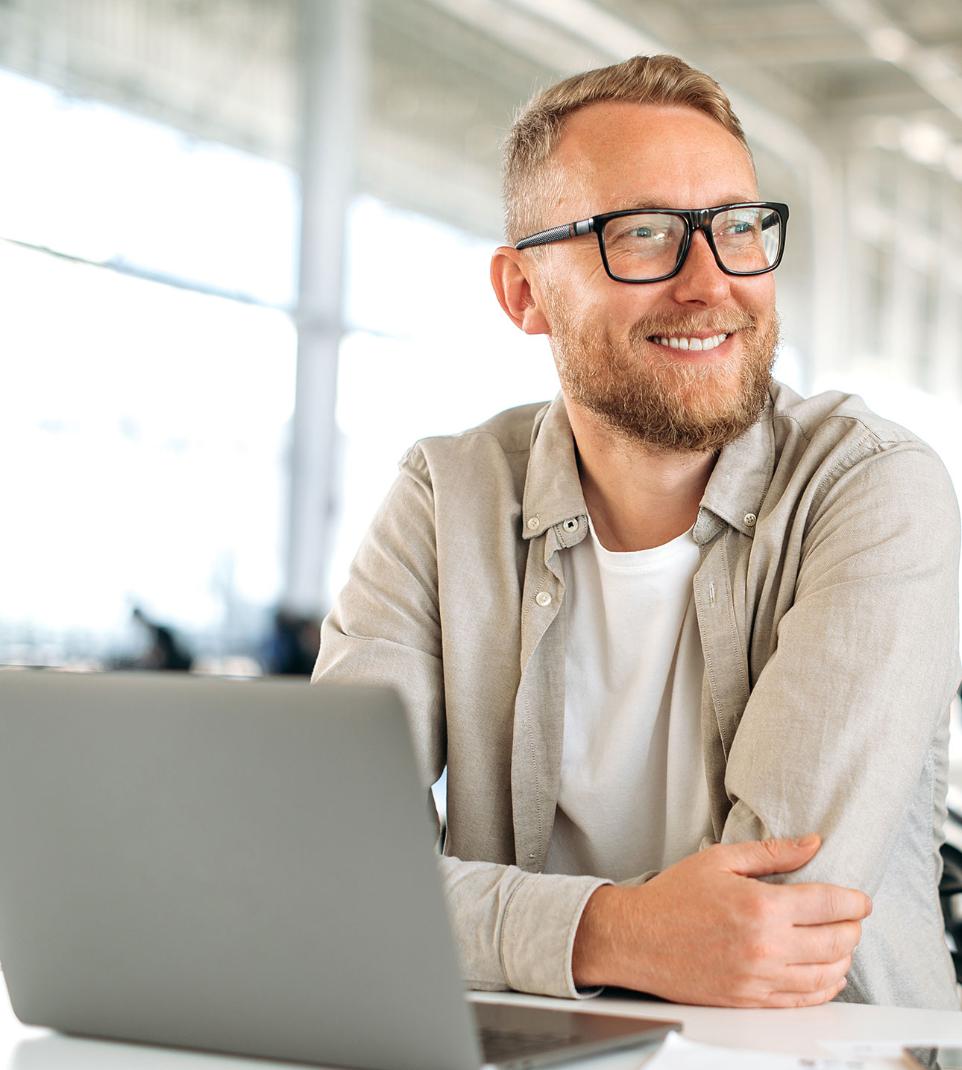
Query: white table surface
(798,1032)
(794,1032)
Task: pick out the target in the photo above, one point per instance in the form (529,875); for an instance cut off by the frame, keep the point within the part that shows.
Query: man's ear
(509,277)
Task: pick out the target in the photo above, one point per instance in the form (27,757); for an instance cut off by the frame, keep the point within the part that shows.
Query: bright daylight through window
(144,425)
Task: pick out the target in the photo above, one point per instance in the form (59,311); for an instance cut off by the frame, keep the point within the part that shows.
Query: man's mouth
(689,342)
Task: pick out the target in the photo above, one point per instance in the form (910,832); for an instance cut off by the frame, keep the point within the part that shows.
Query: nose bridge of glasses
(701,221)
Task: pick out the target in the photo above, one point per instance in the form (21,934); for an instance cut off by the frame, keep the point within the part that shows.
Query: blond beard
(670,405)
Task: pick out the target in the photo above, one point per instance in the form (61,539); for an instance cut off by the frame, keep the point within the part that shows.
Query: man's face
(605,334)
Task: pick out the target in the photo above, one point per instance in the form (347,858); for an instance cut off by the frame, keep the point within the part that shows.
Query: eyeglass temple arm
(567,230)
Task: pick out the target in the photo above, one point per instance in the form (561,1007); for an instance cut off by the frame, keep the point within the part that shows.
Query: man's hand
(704,931)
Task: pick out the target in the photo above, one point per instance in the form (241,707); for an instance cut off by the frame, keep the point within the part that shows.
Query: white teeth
(692,343)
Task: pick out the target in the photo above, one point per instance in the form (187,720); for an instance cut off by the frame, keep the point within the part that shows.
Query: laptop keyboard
(500,1045)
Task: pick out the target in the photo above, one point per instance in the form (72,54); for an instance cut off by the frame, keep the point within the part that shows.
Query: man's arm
(514,929)
(838,727)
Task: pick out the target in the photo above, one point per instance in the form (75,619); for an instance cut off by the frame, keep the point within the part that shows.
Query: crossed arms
(841,737)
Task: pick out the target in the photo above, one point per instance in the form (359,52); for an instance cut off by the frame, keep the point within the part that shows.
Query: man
(680,630)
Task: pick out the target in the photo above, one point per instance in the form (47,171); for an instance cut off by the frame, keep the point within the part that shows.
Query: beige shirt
(827,603)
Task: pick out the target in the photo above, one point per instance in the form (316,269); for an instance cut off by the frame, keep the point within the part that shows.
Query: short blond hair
(662,79)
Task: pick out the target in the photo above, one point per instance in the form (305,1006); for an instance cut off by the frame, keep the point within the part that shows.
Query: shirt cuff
(538,933)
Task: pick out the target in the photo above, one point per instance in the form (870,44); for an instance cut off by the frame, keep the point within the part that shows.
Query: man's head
(647,132)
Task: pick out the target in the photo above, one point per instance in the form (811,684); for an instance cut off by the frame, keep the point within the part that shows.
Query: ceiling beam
(930,68)
(770,51)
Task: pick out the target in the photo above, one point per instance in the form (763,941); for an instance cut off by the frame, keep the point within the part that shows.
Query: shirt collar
(734,494)
(742,475)
(552,489)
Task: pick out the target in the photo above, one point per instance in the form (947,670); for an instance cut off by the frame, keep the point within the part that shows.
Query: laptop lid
(236,866)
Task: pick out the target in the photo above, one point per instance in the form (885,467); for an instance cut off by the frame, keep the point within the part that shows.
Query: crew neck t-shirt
(633,794)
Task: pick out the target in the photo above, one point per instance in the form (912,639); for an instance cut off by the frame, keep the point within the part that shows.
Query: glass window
(144,431)
(143,425)
(97,183)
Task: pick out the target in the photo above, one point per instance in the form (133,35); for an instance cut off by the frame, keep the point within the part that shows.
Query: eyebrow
(649,206)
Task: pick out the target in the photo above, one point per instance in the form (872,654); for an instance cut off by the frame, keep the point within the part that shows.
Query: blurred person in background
(292,645)
(164,651)
(683,641)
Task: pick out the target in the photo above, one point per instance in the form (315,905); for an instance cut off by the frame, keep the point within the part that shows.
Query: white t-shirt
(633,792)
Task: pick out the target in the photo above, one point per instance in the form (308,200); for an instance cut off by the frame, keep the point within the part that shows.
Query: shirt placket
(726,670)
(539,705)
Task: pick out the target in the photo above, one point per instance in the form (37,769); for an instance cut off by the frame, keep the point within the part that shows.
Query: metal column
(332,53)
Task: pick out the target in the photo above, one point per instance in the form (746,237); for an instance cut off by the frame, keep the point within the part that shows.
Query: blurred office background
(243,265)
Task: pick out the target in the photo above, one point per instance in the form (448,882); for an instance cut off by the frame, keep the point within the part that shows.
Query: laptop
(245,867)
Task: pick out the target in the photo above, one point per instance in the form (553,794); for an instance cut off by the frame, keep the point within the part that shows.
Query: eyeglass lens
(646,245)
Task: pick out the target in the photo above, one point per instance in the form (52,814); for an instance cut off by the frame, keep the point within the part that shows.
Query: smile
(696,344)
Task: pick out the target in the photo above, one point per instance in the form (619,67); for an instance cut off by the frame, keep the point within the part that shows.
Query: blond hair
(663,79)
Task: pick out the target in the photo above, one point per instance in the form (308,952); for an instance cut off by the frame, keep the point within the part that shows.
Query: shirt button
(534,523)
(570,525)
(543,598)
(750,519)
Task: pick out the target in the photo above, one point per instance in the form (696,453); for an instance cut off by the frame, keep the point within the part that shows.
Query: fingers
(821,904)
(760,858)
(804,999)
(815,978)
(824,943)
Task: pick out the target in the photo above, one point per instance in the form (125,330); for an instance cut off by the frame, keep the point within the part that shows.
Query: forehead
(617,155)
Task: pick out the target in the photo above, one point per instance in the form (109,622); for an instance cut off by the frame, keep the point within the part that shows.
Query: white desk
(798,1032)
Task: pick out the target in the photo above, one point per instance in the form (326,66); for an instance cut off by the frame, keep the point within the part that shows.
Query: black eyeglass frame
(694,219)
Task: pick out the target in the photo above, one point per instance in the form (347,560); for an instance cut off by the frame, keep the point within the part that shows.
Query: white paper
(871,1049)
(677,1053)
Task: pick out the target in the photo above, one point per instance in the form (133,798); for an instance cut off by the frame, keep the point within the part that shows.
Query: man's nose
(701,281)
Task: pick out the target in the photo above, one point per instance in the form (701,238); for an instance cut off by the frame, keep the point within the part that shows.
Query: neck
(638,496)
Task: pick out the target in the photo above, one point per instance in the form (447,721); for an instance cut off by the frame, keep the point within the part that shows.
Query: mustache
(656,326)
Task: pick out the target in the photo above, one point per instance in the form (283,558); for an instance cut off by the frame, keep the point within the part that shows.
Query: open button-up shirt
(827,604)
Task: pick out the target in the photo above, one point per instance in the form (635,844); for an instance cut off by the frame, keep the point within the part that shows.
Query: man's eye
(736,229)
(650,233)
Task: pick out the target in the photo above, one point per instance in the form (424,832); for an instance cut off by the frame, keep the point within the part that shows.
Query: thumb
(758,858)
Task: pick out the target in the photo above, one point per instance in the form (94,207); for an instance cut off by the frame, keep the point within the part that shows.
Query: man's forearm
(602,935)
(704,931)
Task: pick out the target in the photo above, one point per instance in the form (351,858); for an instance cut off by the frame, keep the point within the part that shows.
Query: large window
(144,416)
(95,182)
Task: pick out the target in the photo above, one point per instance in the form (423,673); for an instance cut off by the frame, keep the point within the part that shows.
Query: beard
(670,405)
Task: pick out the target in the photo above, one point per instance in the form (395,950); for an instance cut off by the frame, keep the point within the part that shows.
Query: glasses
(651,245)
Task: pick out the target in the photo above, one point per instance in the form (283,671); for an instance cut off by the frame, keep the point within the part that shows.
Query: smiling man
(684,641)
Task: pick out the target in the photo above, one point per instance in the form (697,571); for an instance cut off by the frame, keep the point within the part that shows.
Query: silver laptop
(243,867)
